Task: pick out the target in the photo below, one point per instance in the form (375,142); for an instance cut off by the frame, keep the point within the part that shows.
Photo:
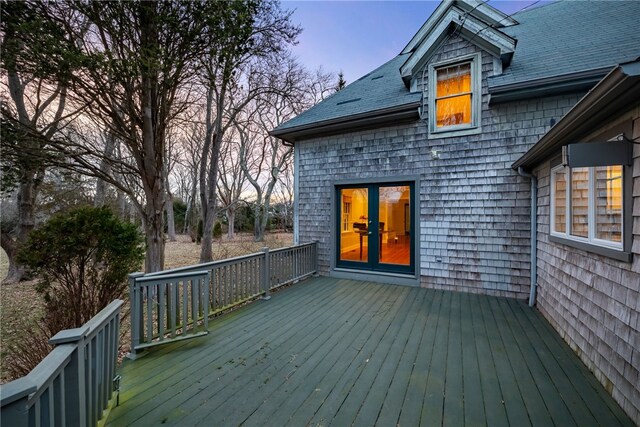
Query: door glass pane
(560,201)
(394,225)
(354,221)
(580,202)
(609,203)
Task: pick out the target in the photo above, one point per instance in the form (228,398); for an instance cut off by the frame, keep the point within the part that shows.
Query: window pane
(609,203)
(453,80)
(453,111)
(354,218)
(560,201)
(580,202)
(394,222)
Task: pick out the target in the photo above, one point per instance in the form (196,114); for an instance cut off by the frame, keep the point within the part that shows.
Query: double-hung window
(454,100)
(587,205)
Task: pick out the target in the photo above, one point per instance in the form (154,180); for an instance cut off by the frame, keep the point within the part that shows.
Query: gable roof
(472,20)
(561,46)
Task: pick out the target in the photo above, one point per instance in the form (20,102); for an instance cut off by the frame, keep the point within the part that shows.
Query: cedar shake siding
(594,301)
(473,208)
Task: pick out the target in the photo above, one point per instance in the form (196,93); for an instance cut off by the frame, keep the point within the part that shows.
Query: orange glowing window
(453,95)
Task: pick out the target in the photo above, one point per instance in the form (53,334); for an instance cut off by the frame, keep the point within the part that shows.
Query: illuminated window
(587,204)
(454,97)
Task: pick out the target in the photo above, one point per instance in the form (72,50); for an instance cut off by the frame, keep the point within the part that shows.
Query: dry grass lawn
(21,306)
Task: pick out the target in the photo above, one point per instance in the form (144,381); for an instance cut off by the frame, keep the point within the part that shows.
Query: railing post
(266,274)
(75,393)
(14,400)
(315,257)
(135,311)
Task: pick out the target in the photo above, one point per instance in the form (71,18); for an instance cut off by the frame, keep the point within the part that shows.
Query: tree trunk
(208,177)
(171,222)
(121,202)
(27,191)
(10,247)
(231,220)
(105,167)
(151,164)
(258,227)
(153,225)
(168,206)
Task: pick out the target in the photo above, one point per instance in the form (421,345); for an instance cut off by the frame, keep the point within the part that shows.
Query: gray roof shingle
(558,38)
(381,89)
(571,36)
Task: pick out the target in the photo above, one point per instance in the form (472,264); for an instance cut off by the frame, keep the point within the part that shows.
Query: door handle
(369,233)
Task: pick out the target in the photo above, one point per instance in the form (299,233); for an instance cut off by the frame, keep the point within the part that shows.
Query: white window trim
(591,239)
(472,128)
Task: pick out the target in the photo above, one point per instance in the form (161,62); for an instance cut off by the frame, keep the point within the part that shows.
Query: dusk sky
(358,36)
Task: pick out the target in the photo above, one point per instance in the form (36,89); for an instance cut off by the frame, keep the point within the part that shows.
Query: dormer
(473,20)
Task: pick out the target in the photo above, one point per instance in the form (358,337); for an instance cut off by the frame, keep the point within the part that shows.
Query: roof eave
(616,92)
(572,82)
(381,117)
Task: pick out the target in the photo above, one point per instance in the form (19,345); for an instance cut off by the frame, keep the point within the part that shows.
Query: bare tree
(32,114)
(136,56)
(187,171)
(264,158)
(234,74)
(232,180)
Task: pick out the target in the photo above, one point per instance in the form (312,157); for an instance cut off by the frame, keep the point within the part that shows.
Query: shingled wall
(474,209)
(594,301)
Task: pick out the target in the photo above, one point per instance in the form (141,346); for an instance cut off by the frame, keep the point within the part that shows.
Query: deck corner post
(266,276)
(15,402)
(135,311)
(315,257)
(75,401)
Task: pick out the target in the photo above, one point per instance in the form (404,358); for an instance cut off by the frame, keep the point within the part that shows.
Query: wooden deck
(340,352)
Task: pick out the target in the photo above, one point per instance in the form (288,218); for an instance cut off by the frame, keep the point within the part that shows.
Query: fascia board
(474,29)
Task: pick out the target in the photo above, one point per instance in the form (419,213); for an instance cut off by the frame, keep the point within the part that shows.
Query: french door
(375,227)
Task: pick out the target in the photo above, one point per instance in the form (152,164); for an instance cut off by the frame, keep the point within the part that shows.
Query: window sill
(599,250)
(436,134)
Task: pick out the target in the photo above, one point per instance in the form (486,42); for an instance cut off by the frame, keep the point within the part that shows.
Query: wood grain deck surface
(341,352)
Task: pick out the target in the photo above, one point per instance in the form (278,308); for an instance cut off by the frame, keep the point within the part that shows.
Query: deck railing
(74,383)
(161,299)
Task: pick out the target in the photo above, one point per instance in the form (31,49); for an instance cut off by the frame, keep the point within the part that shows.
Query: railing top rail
(205,265)
(16,390)
(50,367)
(287,248)
(155,277)
(97,322)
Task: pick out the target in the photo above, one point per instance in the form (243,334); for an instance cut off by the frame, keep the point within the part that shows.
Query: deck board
(342,352)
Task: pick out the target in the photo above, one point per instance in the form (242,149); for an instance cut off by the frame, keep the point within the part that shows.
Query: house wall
(474,209)
(594,301)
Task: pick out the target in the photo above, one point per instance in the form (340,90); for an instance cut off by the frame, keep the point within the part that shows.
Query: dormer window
(454,97)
